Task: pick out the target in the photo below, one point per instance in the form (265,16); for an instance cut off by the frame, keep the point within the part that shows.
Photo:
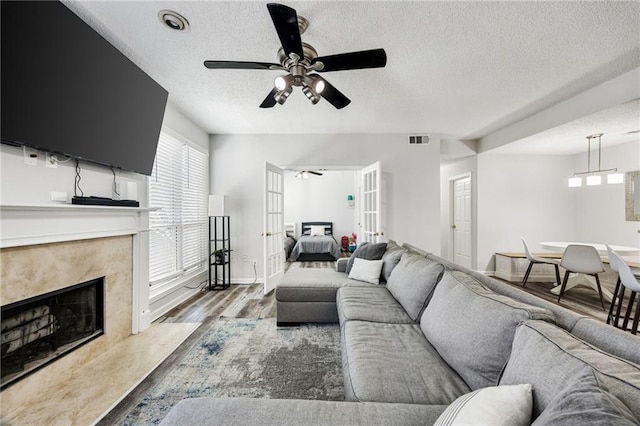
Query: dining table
(601,248)
(587,280)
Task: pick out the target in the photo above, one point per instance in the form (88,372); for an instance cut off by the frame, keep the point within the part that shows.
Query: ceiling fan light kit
(594,177)
(301,62)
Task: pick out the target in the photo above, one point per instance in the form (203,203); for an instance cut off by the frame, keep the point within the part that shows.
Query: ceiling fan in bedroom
(304,174)
(300,60)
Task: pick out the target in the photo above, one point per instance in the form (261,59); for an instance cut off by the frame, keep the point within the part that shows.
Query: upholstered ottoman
(309,295)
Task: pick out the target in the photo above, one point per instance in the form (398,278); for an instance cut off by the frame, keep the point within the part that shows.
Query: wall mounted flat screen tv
(67,90)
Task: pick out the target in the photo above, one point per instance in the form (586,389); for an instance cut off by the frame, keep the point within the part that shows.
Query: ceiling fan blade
(375,58)
(314,173)
(285,19)
(270,100)
(242,65)
(331,94)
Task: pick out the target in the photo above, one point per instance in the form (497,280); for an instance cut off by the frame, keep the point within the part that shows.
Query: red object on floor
(345,242)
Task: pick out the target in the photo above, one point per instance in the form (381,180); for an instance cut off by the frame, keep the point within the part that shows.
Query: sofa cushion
(368,251)
(277,412)
(495,405)
(553,361)
(313,285)
(563,316)
(390,259)
(584,403)
(374,304)
(610,339)
(412,282)
(395,363)
(472,328)
(366,270)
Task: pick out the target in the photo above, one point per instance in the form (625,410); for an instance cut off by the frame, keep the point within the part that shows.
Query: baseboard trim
(248,281)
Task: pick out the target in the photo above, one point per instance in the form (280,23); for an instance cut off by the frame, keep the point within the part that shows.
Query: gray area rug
(251,358)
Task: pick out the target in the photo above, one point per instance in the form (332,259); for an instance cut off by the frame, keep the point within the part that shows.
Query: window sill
(191,279)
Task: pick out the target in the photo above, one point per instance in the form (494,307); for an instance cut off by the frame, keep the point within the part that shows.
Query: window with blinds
(178,230)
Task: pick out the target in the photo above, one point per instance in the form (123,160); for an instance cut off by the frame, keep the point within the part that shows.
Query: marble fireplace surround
(48,247)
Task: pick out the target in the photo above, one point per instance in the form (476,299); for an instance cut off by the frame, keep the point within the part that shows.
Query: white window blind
(178,230)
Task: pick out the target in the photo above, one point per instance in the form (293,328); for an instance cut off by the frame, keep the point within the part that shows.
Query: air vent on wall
(419,140)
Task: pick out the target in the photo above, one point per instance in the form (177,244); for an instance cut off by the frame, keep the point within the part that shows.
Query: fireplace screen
(38,330)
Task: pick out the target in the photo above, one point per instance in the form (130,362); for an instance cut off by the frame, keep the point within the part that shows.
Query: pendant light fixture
(594,177)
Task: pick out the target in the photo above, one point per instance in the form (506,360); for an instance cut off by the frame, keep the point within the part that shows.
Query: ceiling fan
(300,60)
(304,174)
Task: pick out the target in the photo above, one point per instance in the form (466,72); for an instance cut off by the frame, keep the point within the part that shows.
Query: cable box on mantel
(103,201)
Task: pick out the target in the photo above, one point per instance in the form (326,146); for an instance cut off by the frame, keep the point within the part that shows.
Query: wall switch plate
(30,156)
(59,196)
(51,160)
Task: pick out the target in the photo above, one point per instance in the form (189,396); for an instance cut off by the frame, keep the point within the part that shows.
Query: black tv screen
(67,90)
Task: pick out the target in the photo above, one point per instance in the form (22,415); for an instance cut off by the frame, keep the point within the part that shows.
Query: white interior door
(461,226)
(370,219)
(273,234)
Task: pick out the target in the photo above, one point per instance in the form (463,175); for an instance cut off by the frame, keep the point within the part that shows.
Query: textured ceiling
(620,124)
(460,69)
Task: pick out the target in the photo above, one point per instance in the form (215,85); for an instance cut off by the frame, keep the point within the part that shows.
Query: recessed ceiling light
(173,20)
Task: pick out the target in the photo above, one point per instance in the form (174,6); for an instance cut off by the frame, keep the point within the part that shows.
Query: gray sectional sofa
(424,346)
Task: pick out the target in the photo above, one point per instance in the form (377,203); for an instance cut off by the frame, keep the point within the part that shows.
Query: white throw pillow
(317,231)
(497,405)
(366,270)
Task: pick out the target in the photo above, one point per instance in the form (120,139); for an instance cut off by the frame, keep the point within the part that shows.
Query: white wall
(522,195)
(599,210)
(321,198)
(22,183)
(410,173)
(527,195)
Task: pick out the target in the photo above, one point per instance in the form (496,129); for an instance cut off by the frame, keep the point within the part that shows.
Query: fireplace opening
(38,330)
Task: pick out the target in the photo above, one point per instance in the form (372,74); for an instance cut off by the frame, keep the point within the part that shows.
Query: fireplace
(38,330)
(46,248)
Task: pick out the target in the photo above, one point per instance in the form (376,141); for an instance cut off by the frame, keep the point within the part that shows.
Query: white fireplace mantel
(29,224)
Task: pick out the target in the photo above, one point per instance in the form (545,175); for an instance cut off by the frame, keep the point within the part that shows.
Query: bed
(316,243)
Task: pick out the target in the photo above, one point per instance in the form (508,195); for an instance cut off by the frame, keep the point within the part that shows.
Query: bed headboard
(328,227)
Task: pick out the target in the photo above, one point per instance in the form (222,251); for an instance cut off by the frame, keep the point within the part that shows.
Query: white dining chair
(534,260)
(580,259)
(618,293)
(629,281)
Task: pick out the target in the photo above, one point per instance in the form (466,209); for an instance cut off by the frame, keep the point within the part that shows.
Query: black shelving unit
(219,253)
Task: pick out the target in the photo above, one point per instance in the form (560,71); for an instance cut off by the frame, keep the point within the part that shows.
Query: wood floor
(248,301)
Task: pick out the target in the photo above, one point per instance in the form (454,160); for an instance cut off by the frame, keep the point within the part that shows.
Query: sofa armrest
(341,264)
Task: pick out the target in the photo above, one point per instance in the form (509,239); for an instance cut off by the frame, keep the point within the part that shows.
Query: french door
(370,219)
(273,234)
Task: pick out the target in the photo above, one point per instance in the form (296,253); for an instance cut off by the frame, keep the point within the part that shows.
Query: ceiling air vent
(419,140)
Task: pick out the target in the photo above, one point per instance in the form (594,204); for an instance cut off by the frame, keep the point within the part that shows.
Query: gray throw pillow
(367,251)
(412,282)
(390,259)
